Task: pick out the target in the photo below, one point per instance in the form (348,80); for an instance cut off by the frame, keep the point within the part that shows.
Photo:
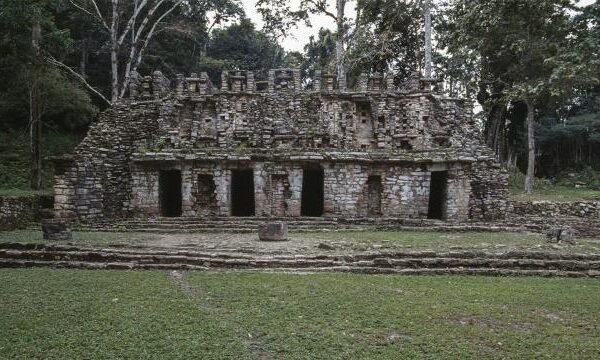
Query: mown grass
(82,238)
(219,315)
(433,239)
(53,314)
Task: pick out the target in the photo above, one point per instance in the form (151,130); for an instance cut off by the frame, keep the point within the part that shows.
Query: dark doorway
(437,195)
(169,183)
(312,193)
(242,192)
(374,195)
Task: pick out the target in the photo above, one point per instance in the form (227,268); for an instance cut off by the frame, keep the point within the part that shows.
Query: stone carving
(273,232)
(561,234)
(368,151)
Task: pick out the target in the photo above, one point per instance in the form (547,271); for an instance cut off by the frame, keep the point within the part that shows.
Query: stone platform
(586,227)
(512,263)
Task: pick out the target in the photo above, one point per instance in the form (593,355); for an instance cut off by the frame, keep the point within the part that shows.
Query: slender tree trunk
(35,128)
(530,148)
(428,47)
(493,130)
(114,52)
(339,45)
(83,61)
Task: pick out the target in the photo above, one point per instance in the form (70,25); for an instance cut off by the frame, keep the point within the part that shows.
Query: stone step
(215,224)
(306,229)
(10,263)
(375,262)
(400,254)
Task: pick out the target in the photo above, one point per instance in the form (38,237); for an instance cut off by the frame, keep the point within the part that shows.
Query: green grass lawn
(68,314)
(82,238)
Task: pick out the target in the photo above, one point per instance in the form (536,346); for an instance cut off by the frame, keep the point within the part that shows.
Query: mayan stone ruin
(272,147)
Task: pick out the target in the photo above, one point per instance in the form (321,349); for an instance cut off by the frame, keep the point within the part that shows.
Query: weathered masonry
(273,148)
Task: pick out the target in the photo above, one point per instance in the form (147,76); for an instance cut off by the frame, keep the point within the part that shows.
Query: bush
(15,158)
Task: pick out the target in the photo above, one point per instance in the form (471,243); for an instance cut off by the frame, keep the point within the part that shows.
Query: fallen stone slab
(56,229)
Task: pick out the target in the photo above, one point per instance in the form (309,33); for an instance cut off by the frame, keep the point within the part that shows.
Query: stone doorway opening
(312,193)
(242,192)
(437,195)
(374,189)
(169,183)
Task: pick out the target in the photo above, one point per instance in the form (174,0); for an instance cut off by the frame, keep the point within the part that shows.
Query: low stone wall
(17,212)
(584,209)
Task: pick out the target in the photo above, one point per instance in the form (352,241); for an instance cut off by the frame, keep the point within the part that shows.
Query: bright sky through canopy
(303,33)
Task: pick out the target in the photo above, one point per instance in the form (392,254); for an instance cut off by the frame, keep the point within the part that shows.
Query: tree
(428,47)
(32,92)
(511,41)
(131,37)
(185,39)
(244,47)
(388,37)
(280,17)
(319,54)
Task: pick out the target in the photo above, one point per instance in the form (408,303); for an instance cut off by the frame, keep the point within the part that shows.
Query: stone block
(56,229)
(273,232)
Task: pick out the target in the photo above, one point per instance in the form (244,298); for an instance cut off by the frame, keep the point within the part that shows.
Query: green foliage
(293,59)
(64,104)
(241,47)
(567,186)
(388,36)
(15,159)
(512,40)
(586,179)
(185,37)
(319,54)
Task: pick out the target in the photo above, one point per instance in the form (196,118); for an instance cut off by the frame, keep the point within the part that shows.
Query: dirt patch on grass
(491,324)
(396,337)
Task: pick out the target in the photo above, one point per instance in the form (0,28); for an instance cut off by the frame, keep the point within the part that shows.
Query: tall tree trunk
(35,128)
(530,148)
(83,61)
(114,52)
(428,47)
(339,45)
(494,130)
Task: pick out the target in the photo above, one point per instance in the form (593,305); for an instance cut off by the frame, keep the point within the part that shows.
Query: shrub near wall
(18,212)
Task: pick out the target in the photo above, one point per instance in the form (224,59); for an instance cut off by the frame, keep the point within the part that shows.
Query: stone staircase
(303,224)
(515,263)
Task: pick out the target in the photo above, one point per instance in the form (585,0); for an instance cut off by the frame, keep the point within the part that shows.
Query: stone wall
(348,189)
(489,196)
(583,209)
(394,136)
(18,212)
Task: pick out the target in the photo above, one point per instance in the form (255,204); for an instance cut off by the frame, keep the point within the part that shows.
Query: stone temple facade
(272,147)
